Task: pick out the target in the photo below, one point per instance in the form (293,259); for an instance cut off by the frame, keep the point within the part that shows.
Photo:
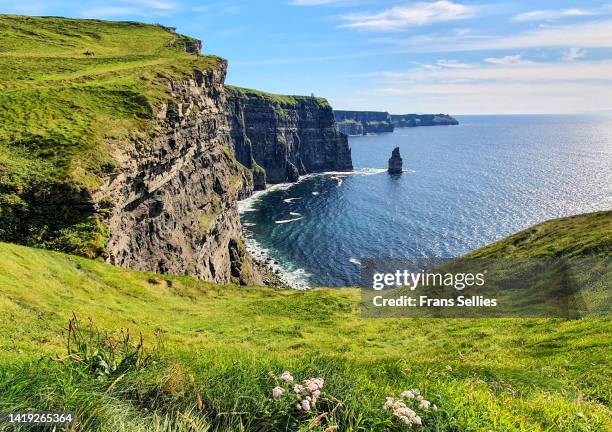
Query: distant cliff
(368,122)
(414,120)
(282,137)
(363,122)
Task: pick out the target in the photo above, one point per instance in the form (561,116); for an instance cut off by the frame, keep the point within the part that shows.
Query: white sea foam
(295,214)
(296,278)
(290,200)
(315,193)
(284,221)
(355,261)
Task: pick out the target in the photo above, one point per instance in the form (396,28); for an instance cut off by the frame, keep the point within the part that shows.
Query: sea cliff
(372,122)
(140,159)
(282,137)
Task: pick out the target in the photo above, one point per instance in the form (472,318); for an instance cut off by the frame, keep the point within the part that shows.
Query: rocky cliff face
(363,122)
(282,137)
(173,202)
(414,120)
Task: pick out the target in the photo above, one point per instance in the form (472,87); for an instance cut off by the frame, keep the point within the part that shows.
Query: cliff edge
(282,137)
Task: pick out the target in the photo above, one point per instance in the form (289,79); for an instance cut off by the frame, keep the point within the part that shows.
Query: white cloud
(497,98)
(594,34)
(510,72)
(522,87)
(573,54)
(450,64)
(508,60)
(406,16)
(553,14)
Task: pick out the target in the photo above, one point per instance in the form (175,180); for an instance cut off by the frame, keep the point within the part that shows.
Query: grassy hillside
(223,348)
(63,113)
(282,100)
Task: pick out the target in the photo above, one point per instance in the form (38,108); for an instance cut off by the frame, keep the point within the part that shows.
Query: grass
(289,101)
(65,114)
(225,346)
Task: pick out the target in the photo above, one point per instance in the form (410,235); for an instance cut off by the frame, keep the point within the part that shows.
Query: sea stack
(395,163)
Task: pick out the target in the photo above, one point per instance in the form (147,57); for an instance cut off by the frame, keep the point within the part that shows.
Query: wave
(284,221)
(355,261)
(290,200)
(296,278)
(315,193)
(295,214)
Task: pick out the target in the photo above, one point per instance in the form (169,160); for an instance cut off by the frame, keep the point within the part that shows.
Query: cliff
(125,154)
(282,137)
(363,122)
(136,153)
(367,122)
(174,198)
(414,120)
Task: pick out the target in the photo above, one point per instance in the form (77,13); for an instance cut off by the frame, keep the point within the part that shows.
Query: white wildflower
(424,404)
(286,376)
(408,394)
(306,405)
(277,392)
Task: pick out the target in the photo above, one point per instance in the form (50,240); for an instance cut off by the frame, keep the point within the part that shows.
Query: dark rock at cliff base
(395,163)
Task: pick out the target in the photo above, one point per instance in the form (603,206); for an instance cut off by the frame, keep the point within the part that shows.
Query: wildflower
(316,394)
(424,404)
(388,404)
(299,389)
(277,392)
(306,405)
(579,415)
(286,376)
(408,394)
(434,407)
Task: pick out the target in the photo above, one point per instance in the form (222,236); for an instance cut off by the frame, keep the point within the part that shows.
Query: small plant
(104,354)
(403,413)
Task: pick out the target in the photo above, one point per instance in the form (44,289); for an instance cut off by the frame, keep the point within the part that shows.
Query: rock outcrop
(363,122)
(173,200)
(372,122)
(395,162)
(280,138)
(415,120)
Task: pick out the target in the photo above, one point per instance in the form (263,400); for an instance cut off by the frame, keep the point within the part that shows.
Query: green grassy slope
(63,113)
(224,346)
(282,100)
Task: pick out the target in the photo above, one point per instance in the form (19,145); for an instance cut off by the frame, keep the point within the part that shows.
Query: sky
(449,56)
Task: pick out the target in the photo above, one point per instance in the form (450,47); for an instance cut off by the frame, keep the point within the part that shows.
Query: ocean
(463,187)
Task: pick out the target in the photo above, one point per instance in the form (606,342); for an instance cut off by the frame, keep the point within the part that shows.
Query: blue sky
(460,57)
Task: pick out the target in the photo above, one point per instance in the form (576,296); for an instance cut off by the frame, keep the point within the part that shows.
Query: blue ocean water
(467,186)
